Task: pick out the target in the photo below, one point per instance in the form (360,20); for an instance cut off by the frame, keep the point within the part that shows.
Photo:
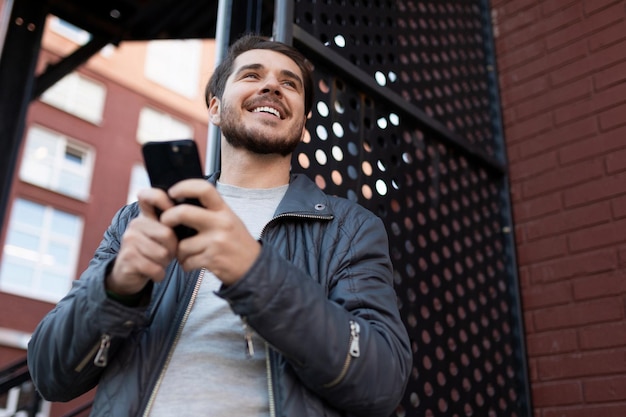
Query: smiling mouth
(266,109)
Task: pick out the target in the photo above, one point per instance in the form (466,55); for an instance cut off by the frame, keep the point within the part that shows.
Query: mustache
(267,100)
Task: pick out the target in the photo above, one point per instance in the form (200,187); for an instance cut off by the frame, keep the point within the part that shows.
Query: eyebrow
(285,72)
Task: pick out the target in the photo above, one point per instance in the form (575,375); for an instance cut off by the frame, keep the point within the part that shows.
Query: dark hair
(217,83)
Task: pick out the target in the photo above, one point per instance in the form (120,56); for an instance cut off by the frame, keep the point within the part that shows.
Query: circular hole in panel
(352,172)
(336,177)
(382,123)
(394,119)
(427,363)
(380,78)
(366,167)
(353,149)
(322,109)
(352,196)
(340,41)
(442,405)
(323,86)
(320,181)
(303,160)
(428,388)
(321,132)
(339,107)
(381,187)
(320,157)
(337,153)
(338,129)
(307,136)
(366,191)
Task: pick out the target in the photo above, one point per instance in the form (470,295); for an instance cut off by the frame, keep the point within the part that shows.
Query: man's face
(262,108)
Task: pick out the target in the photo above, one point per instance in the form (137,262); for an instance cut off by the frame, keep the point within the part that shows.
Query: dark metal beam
(17,69)
(68,64)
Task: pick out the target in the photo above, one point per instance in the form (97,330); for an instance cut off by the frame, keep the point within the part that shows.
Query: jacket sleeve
(62,349)
(346,342)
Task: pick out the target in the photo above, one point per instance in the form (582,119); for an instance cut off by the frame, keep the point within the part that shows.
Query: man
(281,305)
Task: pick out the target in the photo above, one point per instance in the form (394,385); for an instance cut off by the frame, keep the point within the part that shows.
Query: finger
(200,189)
(149,245)
(153,201)
(198,218)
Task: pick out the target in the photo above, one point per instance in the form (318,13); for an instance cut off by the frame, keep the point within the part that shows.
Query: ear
(214,110)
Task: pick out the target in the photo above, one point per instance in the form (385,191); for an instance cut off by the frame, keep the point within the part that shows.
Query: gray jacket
(320,294)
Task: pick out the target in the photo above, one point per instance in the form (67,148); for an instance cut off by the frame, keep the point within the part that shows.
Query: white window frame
(44,170)
(175,64)
(69,31)
(155,125)
(79,96)
(39,260)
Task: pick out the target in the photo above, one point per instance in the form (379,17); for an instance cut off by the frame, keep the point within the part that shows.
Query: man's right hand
(147,246)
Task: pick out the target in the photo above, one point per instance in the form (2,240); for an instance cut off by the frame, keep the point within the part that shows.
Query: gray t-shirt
(210,372)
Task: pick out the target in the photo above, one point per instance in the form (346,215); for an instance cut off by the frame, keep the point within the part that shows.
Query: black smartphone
(169,162)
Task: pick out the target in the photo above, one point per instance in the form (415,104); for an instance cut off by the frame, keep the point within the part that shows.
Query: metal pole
(222,40)
(283,21)
(17,72)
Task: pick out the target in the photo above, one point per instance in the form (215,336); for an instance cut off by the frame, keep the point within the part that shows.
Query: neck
(245,169)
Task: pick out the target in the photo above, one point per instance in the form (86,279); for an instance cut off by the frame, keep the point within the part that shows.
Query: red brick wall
(562,68)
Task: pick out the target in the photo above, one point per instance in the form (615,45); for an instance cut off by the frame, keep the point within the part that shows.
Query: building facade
(80,161)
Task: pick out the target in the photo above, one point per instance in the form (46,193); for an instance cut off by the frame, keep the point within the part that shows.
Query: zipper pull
(248,338)
(355,330)
(102,357)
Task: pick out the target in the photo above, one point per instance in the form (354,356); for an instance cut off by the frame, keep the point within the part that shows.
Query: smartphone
(169,162)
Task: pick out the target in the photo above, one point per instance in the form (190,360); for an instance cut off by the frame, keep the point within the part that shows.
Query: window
(175,64)
(41,251)
(57,162)
(155,125)
(138,181)
(69,31)
(79,96)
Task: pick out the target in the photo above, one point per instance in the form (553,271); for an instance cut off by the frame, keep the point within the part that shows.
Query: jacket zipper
(247,332)
(102,356)
(268,358)
(93,353)
(170,353)
(354,351)
(270,381)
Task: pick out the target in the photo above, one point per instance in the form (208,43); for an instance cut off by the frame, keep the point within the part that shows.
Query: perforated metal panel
(427,159)
(431,53)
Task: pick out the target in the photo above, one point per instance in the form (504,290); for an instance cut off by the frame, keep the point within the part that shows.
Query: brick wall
(562,68)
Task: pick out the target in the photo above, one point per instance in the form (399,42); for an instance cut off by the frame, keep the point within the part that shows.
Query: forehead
(268,59)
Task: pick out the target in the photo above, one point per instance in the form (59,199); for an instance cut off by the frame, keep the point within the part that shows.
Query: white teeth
(267,109)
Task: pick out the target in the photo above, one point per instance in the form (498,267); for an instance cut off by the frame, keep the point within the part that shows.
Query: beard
(256,140)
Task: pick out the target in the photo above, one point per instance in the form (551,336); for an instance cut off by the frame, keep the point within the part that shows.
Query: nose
(271,86)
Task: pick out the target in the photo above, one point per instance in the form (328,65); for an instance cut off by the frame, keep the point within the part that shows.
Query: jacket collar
(303,197)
